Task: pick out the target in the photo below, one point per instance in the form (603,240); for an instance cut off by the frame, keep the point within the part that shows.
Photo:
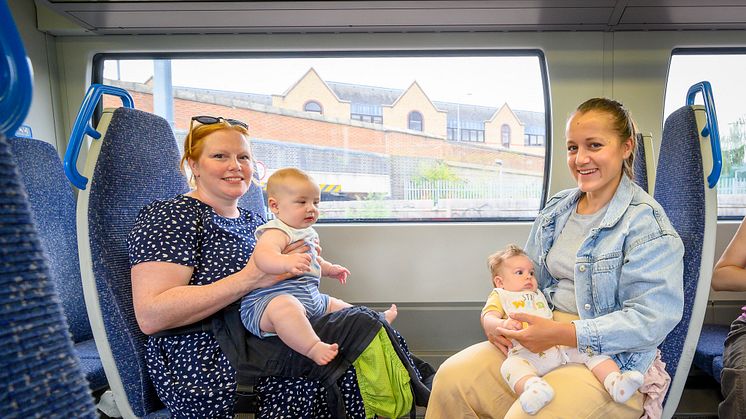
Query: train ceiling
(190,17)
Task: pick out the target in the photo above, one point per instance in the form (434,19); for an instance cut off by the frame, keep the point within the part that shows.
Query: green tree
(438,178)
(733,146)
(437,171)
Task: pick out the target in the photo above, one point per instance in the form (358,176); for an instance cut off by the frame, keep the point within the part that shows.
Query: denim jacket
(628,274)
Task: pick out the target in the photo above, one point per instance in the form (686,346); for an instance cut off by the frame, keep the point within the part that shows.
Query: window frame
(97,76)
(704,51)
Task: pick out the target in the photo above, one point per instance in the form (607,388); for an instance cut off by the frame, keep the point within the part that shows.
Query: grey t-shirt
(562,255)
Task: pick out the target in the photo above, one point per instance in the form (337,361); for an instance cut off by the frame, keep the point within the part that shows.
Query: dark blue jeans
(733,377)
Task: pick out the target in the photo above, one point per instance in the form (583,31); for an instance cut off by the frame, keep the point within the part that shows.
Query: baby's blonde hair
(276,182)
(496,260)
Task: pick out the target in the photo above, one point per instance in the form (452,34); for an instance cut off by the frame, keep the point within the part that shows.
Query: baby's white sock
(536,394)
(621,386)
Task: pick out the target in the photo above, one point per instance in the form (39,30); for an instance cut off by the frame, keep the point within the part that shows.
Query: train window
(388,136)
(725,70)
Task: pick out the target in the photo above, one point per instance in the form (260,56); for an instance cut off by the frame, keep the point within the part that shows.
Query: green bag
(383,379)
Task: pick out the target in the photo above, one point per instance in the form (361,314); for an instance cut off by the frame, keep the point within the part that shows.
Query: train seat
(709,354)
(682,189)
(53,206)
(135,163)
(42,379)
(644,166)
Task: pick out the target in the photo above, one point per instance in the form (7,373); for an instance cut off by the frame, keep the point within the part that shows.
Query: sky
(724,72)
(486,81)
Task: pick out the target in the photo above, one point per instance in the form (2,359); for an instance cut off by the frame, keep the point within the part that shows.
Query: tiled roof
(366,98)
(363,99)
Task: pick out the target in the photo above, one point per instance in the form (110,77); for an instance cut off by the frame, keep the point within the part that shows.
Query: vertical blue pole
(163,96)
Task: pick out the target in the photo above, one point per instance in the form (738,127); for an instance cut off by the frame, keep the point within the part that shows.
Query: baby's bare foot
(322,353)
(391,313)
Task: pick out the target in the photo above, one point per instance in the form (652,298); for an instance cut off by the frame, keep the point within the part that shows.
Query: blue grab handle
(16,78)
(711,128)
(82,127)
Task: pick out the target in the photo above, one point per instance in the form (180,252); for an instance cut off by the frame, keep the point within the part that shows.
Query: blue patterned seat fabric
(39,371)
(709,354)
(132,170)
(640,164)
(679,188)
(253,200)
(53,206)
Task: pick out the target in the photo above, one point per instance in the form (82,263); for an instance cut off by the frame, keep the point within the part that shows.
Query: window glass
(313,107)
(505,132)
(415,121)
(725,71)
(397,137)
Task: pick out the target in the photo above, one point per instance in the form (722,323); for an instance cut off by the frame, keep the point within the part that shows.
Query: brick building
(368,139)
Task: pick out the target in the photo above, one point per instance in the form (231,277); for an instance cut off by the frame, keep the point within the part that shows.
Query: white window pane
(396,136)
(725,73)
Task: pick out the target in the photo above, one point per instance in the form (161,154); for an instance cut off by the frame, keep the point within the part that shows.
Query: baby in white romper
(516,292)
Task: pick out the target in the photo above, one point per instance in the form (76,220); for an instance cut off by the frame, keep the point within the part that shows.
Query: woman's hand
(259,278)
(501,342)
(317,246)
(299,246)
(297,263)
(540,334)
(492,321)
(512,324)
(263,280)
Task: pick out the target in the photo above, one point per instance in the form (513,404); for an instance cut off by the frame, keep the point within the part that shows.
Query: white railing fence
(731,186)
(443,189)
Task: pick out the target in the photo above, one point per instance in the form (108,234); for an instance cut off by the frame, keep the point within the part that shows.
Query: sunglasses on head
(208,120)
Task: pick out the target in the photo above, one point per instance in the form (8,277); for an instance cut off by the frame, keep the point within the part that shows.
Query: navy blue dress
(191,374)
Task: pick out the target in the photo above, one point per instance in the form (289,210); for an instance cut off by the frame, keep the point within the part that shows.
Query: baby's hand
(298,263)
(338,272)
(512,324)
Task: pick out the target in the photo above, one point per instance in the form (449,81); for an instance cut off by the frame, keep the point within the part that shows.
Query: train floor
(700,398)
(699,401)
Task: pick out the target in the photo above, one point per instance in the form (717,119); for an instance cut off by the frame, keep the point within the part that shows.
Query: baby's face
(516,274)
(298,203)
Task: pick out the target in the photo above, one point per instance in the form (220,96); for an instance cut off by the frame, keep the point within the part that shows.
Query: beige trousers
(469,385)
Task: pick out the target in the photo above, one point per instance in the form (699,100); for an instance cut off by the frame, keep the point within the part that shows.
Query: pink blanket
(654,388)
